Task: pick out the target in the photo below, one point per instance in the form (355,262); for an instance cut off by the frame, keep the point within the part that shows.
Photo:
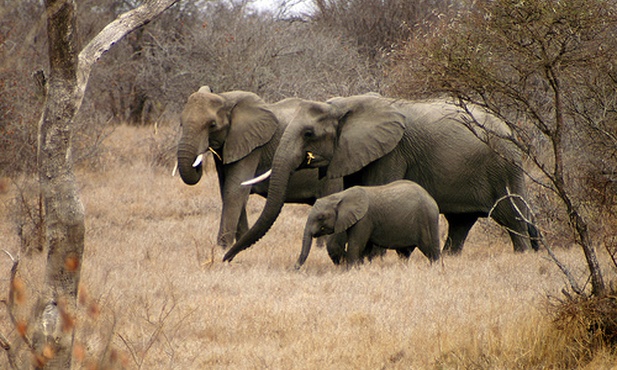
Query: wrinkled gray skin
(368,140)
(400,215)
(244,131)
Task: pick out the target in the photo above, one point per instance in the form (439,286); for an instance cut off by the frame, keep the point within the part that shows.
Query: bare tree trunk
(64,213)
(577,221)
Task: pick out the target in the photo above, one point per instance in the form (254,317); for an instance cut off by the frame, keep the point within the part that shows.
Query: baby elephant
(400,215)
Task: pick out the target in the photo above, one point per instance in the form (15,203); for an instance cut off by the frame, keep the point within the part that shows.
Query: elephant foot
(224,243)
(404,253)
(373,251)
(336,258)
(522,243)
(452,250)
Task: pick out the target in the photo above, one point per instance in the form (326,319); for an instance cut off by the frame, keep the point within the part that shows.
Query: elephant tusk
(173,173)
(309,157)
(198,160)
(257,179)
(215,153)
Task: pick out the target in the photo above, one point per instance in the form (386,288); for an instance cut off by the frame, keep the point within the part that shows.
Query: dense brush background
(154,293)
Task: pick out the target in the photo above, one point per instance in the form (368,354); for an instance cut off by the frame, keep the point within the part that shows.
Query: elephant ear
(251,125)
(351,208)
(370,127)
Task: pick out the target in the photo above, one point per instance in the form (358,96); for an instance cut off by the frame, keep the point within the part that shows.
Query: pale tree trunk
(64,213)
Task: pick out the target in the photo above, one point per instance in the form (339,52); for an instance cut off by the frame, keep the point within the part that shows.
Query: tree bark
(64,212)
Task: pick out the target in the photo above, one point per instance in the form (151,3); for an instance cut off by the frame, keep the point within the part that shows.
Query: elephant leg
(373,251)
(429,242)
(507,214)
(335,245)
(221,239)
(405,252)
(534,234)
(234,221)
(243,224)
(459,225)
(357,240)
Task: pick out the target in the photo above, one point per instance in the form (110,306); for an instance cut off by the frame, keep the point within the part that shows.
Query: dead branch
(10,306)
(112,33)
(511,196)
(573,284)
(10,303)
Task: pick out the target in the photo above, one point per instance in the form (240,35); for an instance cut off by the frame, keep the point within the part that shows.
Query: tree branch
(573,284)
(111,34)
(10,305)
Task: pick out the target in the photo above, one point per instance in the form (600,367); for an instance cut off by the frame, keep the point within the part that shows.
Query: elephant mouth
(312,160)
(198,163)
(215,153)
(215,144)
(323,231)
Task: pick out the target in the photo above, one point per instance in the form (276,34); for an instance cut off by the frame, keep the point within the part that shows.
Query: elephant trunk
(307,242)
(186,157)
(284,164)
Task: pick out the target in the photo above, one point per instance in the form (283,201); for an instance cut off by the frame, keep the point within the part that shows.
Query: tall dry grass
(155,294)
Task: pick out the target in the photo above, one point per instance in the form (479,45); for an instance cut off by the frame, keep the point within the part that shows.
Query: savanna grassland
(155,293)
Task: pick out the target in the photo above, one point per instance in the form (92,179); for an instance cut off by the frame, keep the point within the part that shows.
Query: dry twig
(573,284)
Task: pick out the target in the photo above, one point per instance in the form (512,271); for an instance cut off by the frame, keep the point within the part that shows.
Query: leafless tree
(52,337)
(546,68)
(375,27)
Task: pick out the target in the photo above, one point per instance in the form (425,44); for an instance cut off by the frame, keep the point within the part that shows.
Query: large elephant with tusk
(463,158)
(242,133)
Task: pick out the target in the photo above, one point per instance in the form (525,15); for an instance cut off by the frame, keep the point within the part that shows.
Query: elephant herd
(378,171)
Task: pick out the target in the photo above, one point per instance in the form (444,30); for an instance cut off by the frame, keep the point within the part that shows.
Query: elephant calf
(400,215)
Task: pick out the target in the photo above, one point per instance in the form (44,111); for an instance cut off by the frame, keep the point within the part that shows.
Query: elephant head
(333,214)
(341,136)
(230,124)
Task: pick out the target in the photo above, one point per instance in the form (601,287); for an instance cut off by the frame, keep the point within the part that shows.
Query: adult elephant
(465,162)
(242,131)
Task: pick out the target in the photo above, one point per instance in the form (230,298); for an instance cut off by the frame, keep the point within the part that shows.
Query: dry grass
(160,297)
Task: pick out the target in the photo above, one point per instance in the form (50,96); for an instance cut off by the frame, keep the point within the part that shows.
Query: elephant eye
(212,124)
(309,133)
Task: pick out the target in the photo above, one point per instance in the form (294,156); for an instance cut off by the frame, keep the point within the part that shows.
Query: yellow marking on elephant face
(215,153)
(309,157)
